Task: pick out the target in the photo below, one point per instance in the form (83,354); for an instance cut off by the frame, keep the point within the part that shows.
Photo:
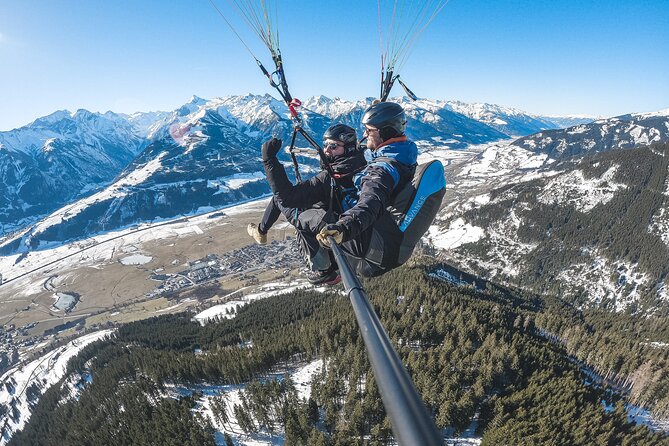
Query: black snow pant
(371,254)
(272,211)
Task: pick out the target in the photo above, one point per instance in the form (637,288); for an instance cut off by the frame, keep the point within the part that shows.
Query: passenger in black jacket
(311,205)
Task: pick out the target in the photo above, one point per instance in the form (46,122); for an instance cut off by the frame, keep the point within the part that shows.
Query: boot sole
(326,280)
(332,282)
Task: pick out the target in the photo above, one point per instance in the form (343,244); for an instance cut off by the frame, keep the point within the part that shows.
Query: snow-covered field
(136,259)
(228,310)
(458,233)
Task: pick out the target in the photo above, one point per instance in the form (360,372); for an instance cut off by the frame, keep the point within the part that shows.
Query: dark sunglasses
(332,145)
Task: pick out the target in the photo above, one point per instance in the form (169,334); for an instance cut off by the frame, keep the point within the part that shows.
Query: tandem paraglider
(358,218)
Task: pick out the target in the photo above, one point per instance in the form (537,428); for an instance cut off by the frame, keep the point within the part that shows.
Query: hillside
(590,230)
(470,352)
(620,132)
(60,158)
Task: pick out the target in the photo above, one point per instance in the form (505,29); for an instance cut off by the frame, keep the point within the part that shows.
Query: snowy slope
(526,219)
(59,158)
(41,373)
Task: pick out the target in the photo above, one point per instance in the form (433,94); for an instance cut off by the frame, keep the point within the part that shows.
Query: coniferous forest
(522,365)
(564,236)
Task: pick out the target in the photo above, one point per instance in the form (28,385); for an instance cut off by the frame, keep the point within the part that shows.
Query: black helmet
(343,133)
(388,117)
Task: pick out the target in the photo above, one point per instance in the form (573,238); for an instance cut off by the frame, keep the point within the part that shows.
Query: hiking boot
(327,277)
(258,236)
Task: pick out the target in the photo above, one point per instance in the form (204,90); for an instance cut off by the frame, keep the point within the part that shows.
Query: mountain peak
(190,107)
(83,114)
(51,119)
(320,99)
(196,100)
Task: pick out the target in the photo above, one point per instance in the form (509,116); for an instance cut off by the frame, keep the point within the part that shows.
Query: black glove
(332,230)
(271,148)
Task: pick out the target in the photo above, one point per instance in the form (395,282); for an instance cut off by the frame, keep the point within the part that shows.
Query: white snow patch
(303,376)
(501,159)
(136,259)
(660,225)
(177,305)
(235,181)
(664,112)
(656,344)
(228,309)
(481,200)
(663,292)
(458,233)
(643,416)
(578,129)
(584,194)
(444,275)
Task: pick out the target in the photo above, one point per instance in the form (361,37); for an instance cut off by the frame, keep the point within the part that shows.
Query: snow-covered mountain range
(590,228)
(510,121)
(110,171)
(201,156)
(59,158)
(621,132)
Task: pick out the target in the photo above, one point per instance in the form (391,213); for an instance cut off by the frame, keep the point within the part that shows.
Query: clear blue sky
(542,56)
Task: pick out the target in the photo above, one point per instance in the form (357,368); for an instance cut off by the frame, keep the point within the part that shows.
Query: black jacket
(317,188)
